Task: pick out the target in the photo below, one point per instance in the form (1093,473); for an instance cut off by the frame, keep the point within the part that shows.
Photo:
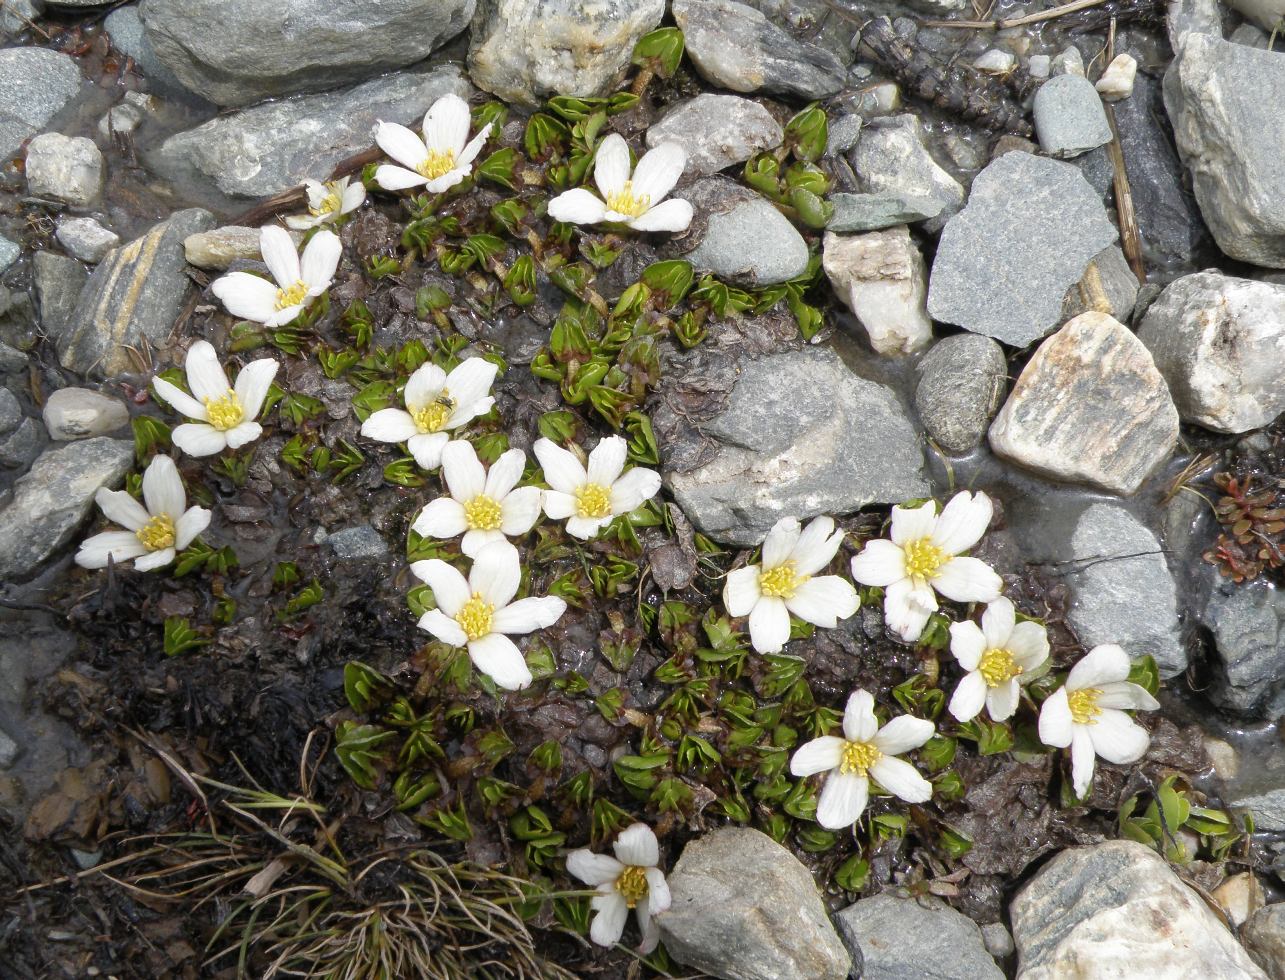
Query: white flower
(921,557)
(996,655)
(441,159)
(630,880)
(589,498)
(482,506)
(226,415)
(297,285)
(1087,713)
(327,202)
(865,751)
(436,402)
(636,201)
(477,613)
(786,583)
(156,532)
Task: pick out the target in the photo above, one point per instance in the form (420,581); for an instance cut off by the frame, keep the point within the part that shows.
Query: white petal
(1124,694)
(1101,665)
(859,721)
(446,124)
(672,215)
(179,400)
(997,623)
(441,518)
(633,488)
(819,755)
(843,800)
(154,560)
(658,897)
(967,643)
(1002,700)
(906,609)
(1083,761)
(1029,645)
(647,924)
(302,222)
(163,489)
(353,195)
(586,528)
(769,625)
(658,171)
(816,547)
(450,588)
(252,385)
(593,869)
(520,510)
(962,522)
(389,425)
(121,508)
(609,924)
(779,544)
(279,255)
(607,461)
(120,546)
(967,580)
(741,590)
(880,563)
(283,316)
(578,207)
(824,600)
(969,696)
(320,260)
(466,412)
(611,165)
(474,541)
(461,469)
(470,381)
(425,384)
(496,574)
(902,780)
(199,439)
(205,377)
(1056,724)
(913,523)
(504,474)
(903,733)
(427,448)
(191,523)
(443,627)
(448,180)
(528,615)
(497,657)
(562,471)
(558,505)
(242,434)
(392,178)
(637,846)
(1117,737)
(403,146)
(467,155)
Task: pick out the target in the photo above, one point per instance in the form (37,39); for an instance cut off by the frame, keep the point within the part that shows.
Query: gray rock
(527,50)
(961,385)
(9,252)
(891,158)
(1267,14)
(135,294)
(843,134)
(265,149)
(737,48)
(357,543)
(1248,626)
(1089,407)
(65,168)
(1108,286)
(880,276)
(1264,939)
(35,84)
(1219,341)
(10,411)
(59,281)
(777,929)
(717,131)
(1222,100)
(871,212)
(220,247)
(1116,909)
(80,413)
(746,240)
(1185,17)
(8,750)
(1069,118)
(22,445)
(14,17)
(54,498)
(1068,61)
(796,439)
(1099,171)
(1266,803)
(86,239)
(12,360)
(1004,264)
(998,940)
(125,27)
(235,52)
(910,939)
(121,120)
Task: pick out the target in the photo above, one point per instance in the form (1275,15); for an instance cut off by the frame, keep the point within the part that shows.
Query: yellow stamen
(438,163)
(226,412)
(482,514)
(632,885)
(997,667)
(157,533)
(593,500)
(923,558)
(434,416)
(781,581)
(475,616)
(624,202)
(858,757)
(1084,705)
(330,203)
(293,295)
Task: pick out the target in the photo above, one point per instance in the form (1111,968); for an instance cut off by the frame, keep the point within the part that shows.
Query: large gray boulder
(910,939)
(739,236)
(235,52)
(35,84)
(717,131)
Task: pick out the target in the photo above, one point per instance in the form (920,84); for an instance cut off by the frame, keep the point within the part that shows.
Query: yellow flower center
(997,667)
(330,204)
(224,413)
(781,581)
(292,296)
(1084,706)
(438,163)
(434,416)
(157,533)
(474,617)
(624,202)
(923,558)
(858,757)
(632,885)
(593,500)
(482,514)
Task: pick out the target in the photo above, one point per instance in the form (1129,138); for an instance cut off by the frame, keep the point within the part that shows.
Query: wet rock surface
(35,84)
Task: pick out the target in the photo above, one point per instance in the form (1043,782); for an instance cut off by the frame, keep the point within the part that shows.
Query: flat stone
(1004,264)
(220,247)
(1089,407)
(746,240)
(910,939)
(22,445)
(717,131)
(1116,909)
(1222,99)
(235,52)
(736,47)
(357,543)
(35,84)
(1248,626)
(80,413)
(799,437)
(843,134)
(1267,14)
(1264,938)
(12,360)
(125,27)
(891,158)
(86,239)
(52,501)
(1219,341)
(59,281)
(1108,286)
(775,929)
(872,212)
(880,276)
(65,168)
(268,148)
(136,293)
(1265,804)
(527,50)
(961,385)
(9,252)
(10,411)
(1069,118)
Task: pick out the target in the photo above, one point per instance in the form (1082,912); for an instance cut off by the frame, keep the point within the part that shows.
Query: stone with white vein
(880,276)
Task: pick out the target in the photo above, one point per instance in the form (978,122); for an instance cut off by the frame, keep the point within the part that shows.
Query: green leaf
(179,636)
(806,134)
(853,874)
(1146,674)
(362,750)
(545,135)
(403,473)
(499,167)
(668,282)
(151,436)
(305,598)
(364,686)
(520,282)
(660,51)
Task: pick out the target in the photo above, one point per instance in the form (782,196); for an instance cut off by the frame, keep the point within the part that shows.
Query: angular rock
(909,939)
(1069,118)
(220,247)
(1219,341)
(843,134)
(1248,626)
(1263,796)
(881,277)
(1222,99)
(1090,407)
(80,413)
(86,239)
(12,360)
(1267,14)
(136,293)
(54,498)
(1117,79)
(717,131)
(10,411)
(1116,909)
(1004,264)
(22,445)
(65,168)
(9,252)
(737,48)
(526,50)
(773,930)
(268,148)
(1108,286)
(235,52)
(59,281)
(745,239)
(891,158)
(14,17)
(357,543)
(798,437)
(1185,17)
(872,212)
(1264,939)
(125,27)
(961,385)
(35,84)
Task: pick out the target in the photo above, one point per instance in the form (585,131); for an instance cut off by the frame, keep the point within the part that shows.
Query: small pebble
(1068,62)
(1116,82)
(1040,66)
(996,62)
